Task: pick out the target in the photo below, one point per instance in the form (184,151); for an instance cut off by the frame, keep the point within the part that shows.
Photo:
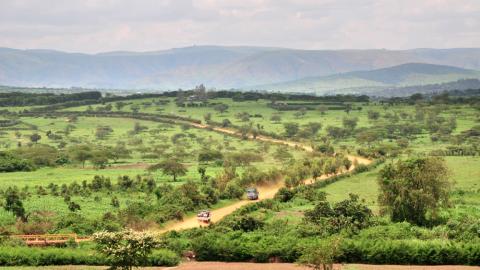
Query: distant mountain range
(258,68)
(411,74)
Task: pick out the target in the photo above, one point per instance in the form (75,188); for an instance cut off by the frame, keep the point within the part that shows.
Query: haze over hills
(411,74)
(238,67)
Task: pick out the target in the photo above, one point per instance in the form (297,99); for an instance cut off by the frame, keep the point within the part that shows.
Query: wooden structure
(50,239)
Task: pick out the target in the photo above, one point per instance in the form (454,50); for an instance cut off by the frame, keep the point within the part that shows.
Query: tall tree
(170,167)
(412,188)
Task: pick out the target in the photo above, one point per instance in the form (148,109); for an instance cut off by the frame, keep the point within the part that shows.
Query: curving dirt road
(266,192)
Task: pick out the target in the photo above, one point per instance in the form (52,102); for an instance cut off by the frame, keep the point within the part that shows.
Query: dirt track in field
(265,192)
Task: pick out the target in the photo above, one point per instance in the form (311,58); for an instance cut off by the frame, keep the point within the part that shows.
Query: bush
(163,257)
(233,191)
(16,256)
(432,252)
(284,195)
(11,256)
(12,163)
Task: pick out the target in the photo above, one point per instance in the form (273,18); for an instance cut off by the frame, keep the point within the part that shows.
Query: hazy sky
(144,25)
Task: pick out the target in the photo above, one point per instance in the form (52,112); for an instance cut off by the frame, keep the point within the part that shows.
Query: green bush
(30,256)
(432,252)
(11,256)
(12,163)
(163,257)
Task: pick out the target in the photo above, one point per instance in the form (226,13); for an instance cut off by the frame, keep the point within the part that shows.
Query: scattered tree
(35,137)
(413,188)
(170,167)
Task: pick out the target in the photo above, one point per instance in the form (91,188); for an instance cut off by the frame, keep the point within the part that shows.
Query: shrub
(125,249)
(12,163)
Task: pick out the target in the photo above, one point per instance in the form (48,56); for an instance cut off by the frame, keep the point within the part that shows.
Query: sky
(93,26)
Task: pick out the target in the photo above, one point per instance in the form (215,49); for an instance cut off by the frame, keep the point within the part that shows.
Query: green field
(85,168)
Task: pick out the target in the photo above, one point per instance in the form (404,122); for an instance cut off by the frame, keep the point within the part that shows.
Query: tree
(291,129)
(373,115)
(347,163)
(310,129)
(81,154)
(282,154)
(226,123)
(321,255)
(317,169)
(118,152)
(243,158)
(115,202)
(102,132)
(233,190)
(322,109)
(135,108)
(336,132)
(207,117)
(207,155)
(202,171)
(35,137)
(350,123)
(137,128)
(221,108)
(412,188)
(367,136)
(126,249)
(14,204)
(244,131)
(190,190)
(119,105)
(300,113)
(243,116)
(170,167)
(348,108)
(276,118)
(99,159)
(73,206)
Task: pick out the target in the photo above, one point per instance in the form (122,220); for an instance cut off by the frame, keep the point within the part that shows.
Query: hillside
(220,67)
(412,75)
(455,88)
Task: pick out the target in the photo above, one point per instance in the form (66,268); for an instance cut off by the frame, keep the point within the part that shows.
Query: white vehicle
(204,216)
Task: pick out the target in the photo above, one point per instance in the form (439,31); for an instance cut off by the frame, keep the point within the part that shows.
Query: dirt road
(266,192)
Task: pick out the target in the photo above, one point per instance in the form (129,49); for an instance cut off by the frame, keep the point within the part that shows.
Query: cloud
(141,25)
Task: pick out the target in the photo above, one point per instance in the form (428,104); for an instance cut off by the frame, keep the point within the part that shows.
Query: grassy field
(465,192)
(465,115)
(84,208)
(84,128)
(155,134)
